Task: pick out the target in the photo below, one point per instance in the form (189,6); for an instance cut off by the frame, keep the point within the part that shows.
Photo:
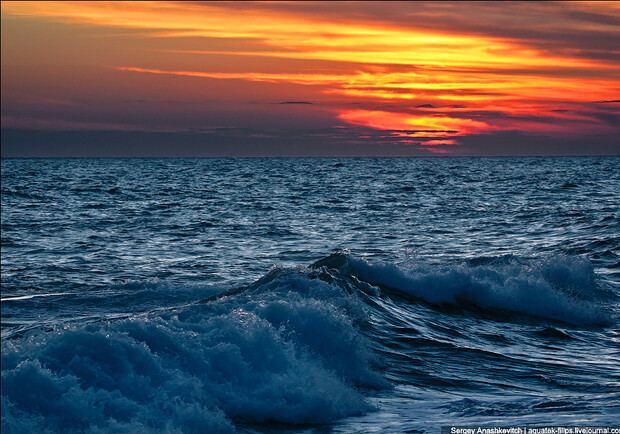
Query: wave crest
(559,287)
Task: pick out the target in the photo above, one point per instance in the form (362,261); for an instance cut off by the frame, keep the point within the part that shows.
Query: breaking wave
(558,287)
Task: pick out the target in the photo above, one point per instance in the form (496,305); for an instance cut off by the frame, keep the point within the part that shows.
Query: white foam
(30,296)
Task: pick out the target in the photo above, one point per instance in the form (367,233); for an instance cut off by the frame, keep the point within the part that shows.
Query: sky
(310,78)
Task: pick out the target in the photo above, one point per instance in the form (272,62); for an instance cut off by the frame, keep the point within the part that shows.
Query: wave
(295,347)
(561,288)
(285,350)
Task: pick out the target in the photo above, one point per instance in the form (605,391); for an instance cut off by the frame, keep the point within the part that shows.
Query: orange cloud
(290,35)
(402,121)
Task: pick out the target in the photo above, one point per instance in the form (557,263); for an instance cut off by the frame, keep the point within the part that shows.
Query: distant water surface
(268,295)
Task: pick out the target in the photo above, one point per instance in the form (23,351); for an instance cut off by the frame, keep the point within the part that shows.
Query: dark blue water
(338,295)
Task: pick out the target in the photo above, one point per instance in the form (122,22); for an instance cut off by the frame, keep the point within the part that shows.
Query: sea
(315,295)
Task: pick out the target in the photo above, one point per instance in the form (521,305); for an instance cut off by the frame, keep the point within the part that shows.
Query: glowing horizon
(446,70)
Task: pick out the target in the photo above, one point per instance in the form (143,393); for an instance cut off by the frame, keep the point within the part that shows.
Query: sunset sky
(305,78)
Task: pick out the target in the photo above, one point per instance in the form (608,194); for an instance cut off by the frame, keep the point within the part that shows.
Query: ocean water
(309,295)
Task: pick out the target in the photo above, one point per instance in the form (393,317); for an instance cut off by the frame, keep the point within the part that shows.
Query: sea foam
(285,351)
